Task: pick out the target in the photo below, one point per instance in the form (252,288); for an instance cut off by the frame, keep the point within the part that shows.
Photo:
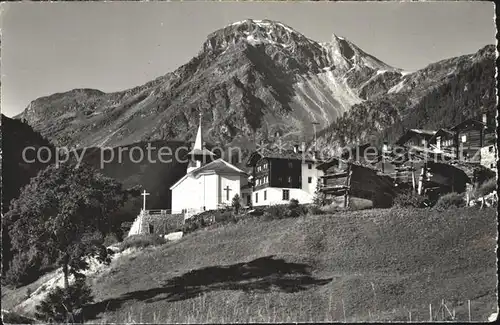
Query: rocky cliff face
(440,95)
(250,80)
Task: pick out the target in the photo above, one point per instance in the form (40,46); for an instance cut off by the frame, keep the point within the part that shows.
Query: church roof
(219,166)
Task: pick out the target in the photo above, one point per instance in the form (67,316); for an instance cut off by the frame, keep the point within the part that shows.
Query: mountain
(16,172)
(250,80)
(440,95)
(254,79)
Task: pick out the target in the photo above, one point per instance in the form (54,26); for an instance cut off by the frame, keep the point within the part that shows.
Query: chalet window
(309,166)
(309,180)
(464,138)
(290,165)
(265,195)
(289,179)
(492,166)
(490,149)
(286,195)
(266,179)
(256,197)
(151,229)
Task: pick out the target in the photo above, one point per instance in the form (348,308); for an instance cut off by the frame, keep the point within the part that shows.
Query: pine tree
(236,204)
(319,197)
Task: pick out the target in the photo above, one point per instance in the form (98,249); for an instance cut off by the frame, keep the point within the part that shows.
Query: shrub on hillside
(208,218)
(110,239)
(486,188)
(141,241)
(409,199)
(331,208)
(450,200)
(282,211)
(23,269)
(278,211)
(64,305)
(314,209)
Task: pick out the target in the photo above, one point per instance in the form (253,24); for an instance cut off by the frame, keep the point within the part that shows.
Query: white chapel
(208,183)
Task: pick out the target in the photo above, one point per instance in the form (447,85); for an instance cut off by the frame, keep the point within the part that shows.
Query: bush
(141,241)
(278,211)
(409,199)
(282,211)
(9,317)
(486,188)
(23,269)
(313,209)
(63,305)
(450,200)
(110,239)
(294,203)
(331,208)
(208,218)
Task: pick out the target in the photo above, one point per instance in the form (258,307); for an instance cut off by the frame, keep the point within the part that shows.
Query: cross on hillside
(227,189)
(144,194)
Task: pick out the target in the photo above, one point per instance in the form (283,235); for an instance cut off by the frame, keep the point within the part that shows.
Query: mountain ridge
(251,80)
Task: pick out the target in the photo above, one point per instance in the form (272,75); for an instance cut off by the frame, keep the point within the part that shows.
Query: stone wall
(157,222)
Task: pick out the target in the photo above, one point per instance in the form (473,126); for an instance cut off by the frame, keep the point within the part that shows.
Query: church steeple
(199,155)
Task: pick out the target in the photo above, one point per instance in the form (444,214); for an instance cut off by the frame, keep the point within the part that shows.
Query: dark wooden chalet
(426,175)
(349,179)
(444,140)
(273,169)
(469,137)
(416,137)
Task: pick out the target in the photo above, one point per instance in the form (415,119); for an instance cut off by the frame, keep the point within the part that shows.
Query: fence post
(468,303)
(442,307)
(343,309)
(430,312)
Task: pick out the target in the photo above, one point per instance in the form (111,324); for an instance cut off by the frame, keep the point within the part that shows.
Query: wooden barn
(469,136)
(444,141)
(347,179)
(424,175)
(416,137)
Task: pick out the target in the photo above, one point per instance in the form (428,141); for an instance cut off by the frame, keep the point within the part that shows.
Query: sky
(55,47)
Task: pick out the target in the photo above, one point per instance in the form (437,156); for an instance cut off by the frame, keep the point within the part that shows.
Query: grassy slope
(377,263)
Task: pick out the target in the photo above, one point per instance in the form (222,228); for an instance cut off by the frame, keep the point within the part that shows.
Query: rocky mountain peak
(254,32)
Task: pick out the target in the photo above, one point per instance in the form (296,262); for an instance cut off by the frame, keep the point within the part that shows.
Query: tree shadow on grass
(260,275)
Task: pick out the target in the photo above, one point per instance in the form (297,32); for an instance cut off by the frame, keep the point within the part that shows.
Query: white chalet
(280,177)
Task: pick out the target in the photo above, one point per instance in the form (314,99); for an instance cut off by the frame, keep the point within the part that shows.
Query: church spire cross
(144,194)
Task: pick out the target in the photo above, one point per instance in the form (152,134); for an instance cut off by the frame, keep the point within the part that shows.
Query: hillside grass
(376,265)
